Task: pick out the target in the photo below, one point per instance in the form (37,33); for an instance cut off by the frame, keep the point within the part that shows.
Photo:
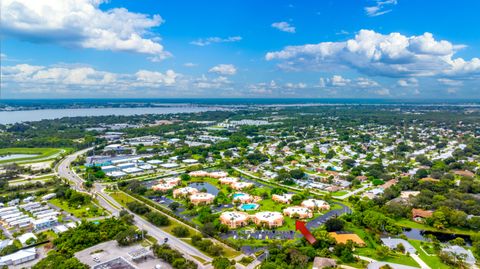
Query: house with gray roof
(392,243)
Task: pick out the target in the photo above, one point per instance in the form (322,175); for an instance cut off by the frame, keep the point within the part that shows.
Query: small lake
(442,237)
(16,156)
(204,185)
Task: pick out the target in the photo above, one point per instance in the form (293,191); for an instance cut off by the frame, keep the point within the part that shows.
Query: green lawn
(228,252)
(41,153)
(415,225)
(371,246)
(364,235)
(393,258)
(433,261)
(339,193)
(89,210)
(23,181)
(122,198)
(246,260)
(169,229)
(265,204)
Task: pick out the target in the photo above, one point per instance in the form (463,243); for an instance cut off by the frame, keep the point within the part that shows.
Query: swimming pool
(238,195)
(247,207)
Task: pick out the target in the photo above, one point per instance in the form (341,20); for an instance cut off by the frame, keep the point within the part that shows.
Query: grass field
(393,258)
(415,225)
(122,198)
(339,193)
(228,252)
(23,181)
(169,229)
(85,211)
(41,153)
(433,261)
(371,246)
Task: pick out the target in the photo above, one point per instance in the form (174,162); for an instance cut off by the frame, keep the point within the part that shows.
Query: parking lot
(110,250)
(260,235)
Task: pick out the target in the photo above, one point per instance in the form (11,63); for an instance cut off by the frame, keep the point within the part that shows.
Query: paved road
(112,206)
(343,197)
(261,234)
(64,171)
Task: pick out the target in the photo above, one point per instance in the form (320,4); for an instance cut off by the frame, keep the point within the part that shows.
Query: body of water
(10,117)
(248,207)
(418,234)
(16,156)
(204,185)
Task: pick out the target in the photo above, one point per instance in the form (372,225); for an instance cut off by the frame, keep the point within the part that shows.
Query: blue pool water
(238,195)
(249,206)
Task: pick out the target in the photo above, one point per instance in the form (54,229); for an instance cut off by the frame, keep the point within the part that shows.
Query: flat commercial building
(19,257)
(116,263)
(40,224)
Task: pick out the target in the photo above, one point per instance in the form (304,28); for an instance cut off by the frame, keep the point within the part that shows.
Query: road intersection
(107,202)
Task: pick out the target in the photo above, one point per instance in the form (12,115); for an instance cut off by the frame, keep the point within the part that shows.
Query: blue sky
(322,49)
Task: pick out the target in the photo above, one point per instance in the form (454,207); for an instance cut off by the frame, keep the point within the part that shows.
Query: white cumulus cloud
(410,82)
(155,78)
(299,85)
(224,69)
(262,87)
(25,76)
(83,24)
(372,53)
(220,82)
(366,83)
(284,27)
(338,80)
(450,82)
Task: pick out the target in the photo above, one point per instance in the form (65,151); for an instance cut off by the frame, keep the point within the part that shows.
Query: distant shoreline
(37,104)
(18,116)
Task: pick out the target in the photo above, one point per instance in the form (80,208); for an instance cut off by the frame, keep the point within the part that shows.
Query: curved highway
(64,170)
(114,208)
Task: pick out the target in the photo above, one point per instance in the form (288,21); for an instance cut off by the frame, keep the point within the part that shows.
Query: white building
(48,196)
(59,229)
(19,257)
(40,224)
(25,237)
(155,162)
(132,170)
(109,168)
(169,165)
(116,174)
